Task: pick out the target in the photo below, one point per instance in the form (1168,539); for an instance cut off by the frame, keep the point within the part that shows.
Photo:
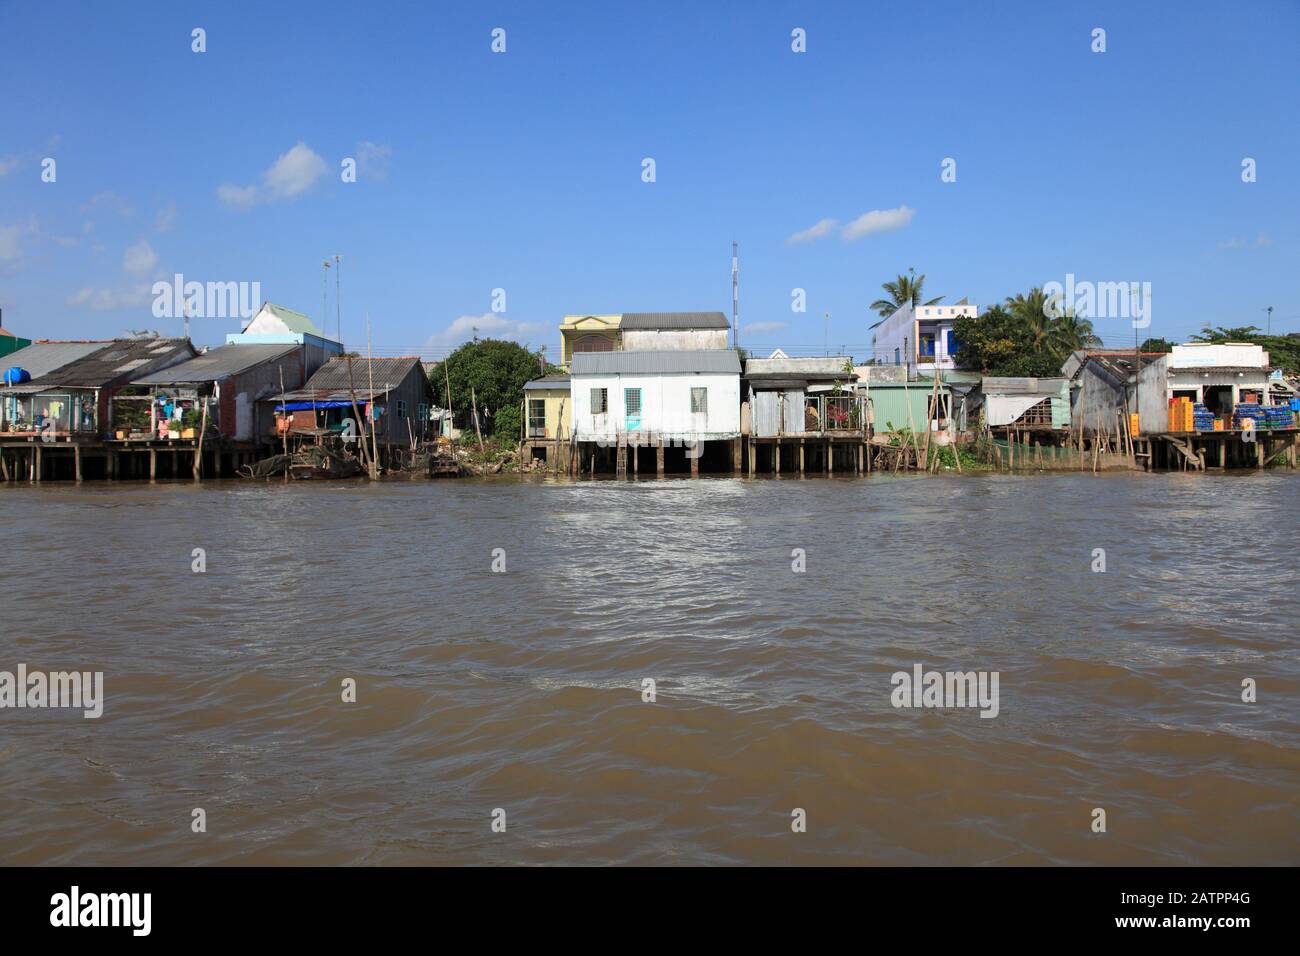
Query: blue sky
(523,170)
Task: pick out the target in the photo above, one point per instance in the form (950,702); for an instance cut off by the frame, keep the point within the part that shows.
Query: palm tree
(1069,333)
(1031,311)
(906,289)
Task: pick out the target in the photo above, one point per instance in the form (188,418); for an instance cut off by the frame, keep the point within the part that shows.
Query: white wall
(1228,354)
(665,406)
(673,340)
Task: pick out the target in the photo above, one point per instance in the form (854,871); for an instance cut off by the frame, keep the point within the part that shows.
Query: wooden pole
(203,428)
(365,454)
(374,424)
(285,430)
(474,402)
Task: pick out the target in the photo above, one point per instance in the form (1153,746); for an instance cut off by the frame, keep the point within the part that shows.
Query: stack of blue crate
(1202,418)
(1251,410)
(1279,416)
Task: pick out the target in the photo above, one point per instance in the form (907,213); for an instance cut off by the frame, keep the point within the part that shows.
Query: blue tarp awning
(304,406)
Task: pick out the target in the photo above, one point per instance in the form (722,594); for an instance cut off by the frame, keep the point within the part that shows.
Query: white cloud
(240,196)
(819,231)
(488,325)
(288,178)
(108,200)
(294,172)
(1261,240)
(372,160)
(140,258)
(9,246)
(758,328)
(166,217)
(878,220)
(110,300)
(8,164)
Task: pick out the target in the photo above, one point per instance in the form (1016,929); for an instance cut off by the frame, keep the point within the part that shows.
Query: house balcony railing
(833,413)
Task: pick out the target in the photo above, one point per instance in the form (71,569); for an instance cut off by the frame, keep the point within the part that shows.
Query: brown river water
(522,690)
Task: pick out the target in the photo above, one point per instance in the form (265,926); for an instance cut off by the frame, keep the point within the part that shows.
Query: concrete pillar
(696,451)
(153,464)
(76,460)
(38,467)
(753,457)
(801,455)
(830,454)
(776,456)
(735,455)
(659,458)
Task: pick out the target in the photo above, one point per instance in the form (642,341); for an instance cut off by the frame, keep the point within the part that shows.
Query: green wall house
(11,343)
(898,405)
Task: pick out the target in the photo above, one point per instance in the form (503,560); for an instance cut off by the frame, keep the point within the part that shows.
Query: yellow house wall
(559,410)
(575,326)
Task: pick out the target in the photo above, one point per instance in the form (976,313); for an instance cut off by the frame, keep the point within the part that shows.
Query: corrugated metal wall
(767,414)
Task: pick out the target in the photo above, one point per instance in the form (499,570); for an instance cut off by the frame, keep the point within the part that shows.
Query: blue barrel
(16,376)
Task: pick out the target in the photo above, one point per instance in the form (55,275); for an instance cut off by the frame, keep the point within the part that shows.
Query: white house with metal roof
(275,325)
(682,397)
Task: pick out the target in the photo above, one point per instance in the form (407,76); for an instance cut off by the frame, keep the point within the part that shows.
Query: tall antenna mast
(324,289)
(735,296)
(338,292)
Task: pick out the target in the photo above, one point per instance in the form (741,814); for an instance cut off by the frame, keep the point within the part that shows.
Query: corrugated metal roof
(1021,386)
(216,364)
(653,363)
(388,373)
(548,381)
(113,363)
(674,320)
(293,321)
(42,358)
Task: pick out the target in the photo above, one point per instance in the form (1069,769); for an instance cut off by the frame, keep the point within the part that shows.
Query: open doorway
(1218,400)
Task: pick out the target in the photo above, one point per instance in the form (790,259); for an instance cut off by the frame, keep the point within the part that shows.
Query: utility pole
(735,296)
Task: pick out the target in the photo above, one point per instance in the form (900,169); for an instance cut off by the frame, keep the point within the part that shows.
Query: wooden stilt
(659,458)
(76,461)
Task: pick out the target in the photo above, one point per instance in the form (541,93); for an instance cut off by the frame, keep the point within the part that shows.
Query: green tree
(496,371)
(1023,336)
(1069,333)
(990,341)
(1031,311)
(1156,345)
(901,291)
